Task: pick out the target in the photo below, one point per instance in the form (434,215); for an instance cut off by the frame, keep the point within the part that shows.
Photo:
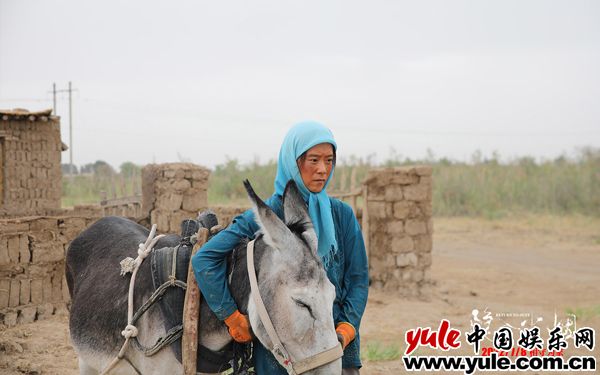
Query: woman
(307,156)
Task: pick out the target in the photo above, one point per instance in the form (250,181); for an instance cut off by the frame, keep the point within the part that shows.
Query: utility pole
(70,91)
(70,130)
(54,98)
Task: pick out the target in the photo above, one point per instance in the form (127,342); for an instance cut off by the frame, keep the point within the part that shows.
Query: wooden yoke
(191,313)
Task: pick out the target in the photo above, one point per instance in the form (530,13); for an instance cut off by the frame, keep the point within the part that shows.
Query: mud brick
(414,227)
(376,193)
(405,178)
(43,224)
(72,226)
(10,318)
(66,297)
(423,244)
(200,185)
(425,260)
(423,170)
(15,288)
(24,254)
(13,249)
(45,311)
(377,265)
(401,209)
(425,181)
(27,315)
(4,257)
(24,293)
(417,275)
(395,227)
(200,175)
(47,289)
(163,186)
(169,202)
(416,192)
(44,236)
(393,193)
(195,200)
(4,293)
(48,253)
(380,243)
(167,174)
(430,226)
(39,271)
(161,219)
(57,287)
(61,310)
(180,174)
(425,208)
(402,244)
(379,209)
(181,185)
(37,291)
(406,259)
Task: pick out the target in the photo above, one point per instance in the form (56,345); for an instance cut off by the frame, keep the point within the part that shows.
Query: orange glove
(346,333)
(239,327)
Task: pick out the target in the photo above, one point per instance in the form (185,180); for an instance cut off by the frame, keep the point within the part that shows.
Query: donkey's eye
(304,305)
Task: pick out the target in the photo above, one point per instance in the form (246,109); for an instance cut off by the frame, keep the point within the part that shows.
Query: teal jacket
(348,272)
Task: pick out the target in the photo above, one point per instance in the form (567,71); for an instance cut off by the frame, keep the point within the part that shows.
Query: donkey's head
(292,281)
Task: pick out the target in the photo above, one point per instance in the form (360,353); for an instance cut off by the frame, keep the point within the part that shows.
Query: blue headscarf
(299,139)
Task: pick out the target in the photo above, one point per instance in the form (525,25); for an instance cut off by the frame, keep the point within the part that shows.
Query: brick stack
(30,147)
(173,192)
(32,266)
(400,227)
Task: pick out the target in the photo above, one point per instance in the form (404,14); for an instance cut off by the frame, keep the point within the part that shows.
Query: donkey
(292,282)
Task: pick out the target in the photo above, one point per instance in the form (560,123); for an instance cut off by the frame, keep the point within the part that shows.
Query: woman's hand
(239,327)
(345,333)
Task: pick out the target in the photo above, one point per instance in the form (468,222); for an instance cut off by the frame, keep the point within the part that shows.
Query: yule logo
(444,338)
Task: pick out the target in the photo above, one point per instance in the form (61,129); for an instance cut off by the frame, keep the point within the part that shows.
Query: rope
(132,265)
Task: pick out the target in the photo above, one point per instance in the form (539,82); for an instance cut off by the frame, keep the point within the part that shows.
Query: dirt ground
(537,266)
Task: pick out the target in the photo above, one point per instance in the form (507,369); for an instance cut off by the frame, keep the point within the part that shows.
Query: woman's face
(316,166)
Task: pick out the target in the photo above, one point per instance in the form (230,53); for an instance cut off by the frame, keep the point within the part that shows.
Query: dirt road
(536,266)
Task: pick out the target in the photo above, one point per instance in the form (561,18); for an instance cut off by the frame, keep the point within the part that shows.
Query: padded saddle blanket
(171,304)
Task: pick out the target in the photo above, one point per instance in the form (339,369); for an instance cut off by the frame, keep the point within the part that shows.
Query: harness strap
(158,293)
(319,359)
(172,335)
(278,350)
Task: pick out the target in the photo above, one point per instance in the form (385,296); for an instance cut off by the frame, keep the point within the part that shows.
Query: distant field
(482,187)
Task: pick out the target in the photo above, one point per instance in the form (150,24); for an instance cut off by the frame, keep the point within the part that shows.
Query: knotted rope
(132,265)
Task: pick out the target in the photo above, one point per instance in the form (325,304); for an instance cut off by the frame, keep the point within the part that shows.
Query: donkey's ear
(296,214)
(274,230)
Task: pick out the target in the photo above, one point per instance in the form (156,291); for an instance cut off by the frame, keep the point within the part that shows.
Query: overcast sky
(163,81)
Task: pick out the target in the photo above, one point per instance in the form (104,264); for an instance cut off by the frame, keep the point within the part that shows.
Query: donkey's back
(99,297)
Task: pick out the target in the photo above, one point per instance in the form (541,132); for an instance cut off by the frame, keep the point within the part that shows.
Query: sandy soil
(534,265)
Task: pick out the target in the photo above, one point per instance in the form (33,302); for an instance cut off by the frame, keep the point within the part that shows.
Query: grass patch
(485,187)
(376,351)
(584,313)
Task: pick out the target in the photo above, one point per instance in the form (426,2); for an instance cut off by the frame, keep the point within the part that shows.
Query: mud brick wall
(400,227)
(32,266)
(30,152)
(173,192)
